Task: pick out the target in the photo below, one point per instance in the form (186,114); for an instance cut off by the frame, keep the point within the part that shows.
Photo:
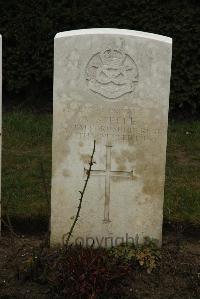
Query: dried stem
(44,182)
(82,194)
(9,226)
(45,185)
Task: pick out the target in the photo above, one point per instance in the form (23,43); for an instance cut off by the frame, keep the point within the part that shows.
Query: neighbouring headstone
(112,86)
(0,118)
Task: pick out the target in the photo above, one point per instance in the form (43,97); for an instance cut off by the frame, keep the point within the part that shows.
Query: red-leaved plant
(78,272)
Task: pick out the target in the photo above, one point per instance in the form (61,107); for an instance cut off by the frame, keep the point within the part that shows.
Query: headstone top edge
(114,31)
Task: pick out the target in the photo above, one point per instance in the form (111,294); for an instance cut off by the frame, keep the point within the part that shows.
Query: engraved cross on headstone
(108,173)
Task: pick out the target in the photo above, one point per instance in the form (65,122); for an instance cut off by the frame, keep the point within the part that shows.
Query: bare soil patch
(178,275)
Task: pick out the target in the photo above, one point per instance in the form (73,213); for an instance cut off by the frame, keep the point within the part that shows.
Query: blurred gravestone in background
(0,119)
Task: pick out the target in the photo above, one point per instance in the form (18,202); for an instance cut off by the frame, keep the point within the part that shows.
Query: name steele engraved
(113,129)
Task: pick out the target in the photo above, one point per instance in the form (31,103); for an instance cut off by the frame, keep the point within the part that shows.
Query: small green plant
(146,255)
(89,273)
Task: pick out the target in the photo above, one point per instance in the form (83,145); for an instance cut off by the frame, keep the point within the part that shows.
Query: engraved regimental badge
(111,73)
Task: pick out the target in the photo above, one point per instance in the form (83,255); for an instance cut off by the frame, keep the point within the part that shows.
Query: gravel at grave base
(177,277)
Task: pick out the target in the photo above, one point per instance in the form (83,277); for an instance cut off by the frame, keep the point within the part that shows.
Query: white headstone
(0,117)
(112,86)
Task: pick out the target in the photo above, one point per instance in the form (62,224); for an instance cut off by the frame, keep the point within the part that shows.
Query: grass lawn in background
(182,186)
(26,169)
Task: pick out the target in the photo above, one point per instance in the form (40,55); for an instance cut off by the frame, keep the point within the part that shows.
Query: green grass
(182,188)
(26,165)
(27,157)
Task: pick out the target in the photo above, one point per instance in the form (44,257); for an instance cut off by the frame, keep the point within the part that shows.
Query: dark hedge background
(29,26)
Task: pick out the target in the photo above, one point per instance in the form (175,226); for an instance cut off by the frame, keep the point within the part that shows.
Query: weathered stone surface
(0,117)
(113,86)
